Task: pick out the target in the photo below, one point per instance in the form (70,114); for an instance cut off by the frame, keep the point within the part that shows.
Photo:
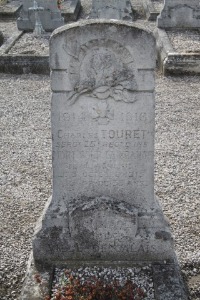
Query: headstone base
(101,229)
(167,281)
(70,10)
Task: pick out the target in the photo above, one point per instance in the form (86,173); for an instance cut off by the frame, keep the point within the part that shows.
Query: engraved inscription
(104,138)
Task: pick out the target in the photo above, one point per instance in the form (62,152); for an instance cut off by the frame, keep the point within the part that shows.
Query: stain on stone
(164,235)
(85,239)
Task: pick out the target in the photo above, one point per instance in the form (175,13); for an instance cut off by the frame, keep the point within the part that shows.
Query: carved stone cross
(38,25)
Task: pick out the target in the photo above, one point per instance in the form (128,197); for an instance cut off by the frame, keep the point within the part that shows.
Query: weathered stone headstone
(70,9)
(180,14)
(113,9)
(50,16)
(103,205)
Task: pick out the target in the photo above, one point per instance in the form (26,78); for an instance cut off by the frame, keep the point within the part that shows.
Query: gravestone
(114,9)
(70,9)
(50,17)
(38,25)
(103,206)
(180,14)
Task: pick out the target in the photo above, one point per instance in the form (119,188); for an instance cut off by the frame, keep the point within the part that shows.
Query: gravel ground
(140,277)
(8,28)
(26,169)
(31,45)
(185,40)
(25,163)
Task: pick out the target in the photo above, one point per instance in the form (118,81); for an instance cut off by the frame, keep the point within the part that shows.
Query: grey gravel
(185,40)
(8,28)
(140,276)
(31,45)
(25,164)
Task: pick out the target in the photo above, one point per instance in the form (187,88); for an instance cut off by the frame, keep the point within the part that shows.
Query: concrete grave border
(10,11)
(167,280)
(173,62)
(21,64)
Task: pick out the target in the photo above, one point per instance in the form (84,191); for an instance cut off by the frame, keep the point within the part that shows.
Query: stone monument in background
(70,9)
(113,9)
(103,206)
(180,14)
(50,17)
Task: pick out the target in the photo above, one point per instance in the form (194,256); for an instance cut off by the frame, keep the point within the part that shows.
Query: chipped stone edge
(168,282)
(151,12)
(37,284)
(24,64)
(171,61)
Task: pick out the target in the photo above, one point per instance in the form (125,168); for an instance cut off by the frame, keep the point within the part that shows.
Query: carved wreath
(103,75)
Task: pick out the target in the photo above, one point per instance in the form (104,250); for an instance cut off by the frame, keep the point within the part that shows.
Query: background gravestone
(70,9)
(180,14)
(113,9)
(103,205)
(50,17)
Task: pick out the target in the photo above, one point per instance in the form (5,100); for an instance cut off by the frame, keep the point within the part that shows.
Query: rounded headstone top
(84,23)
